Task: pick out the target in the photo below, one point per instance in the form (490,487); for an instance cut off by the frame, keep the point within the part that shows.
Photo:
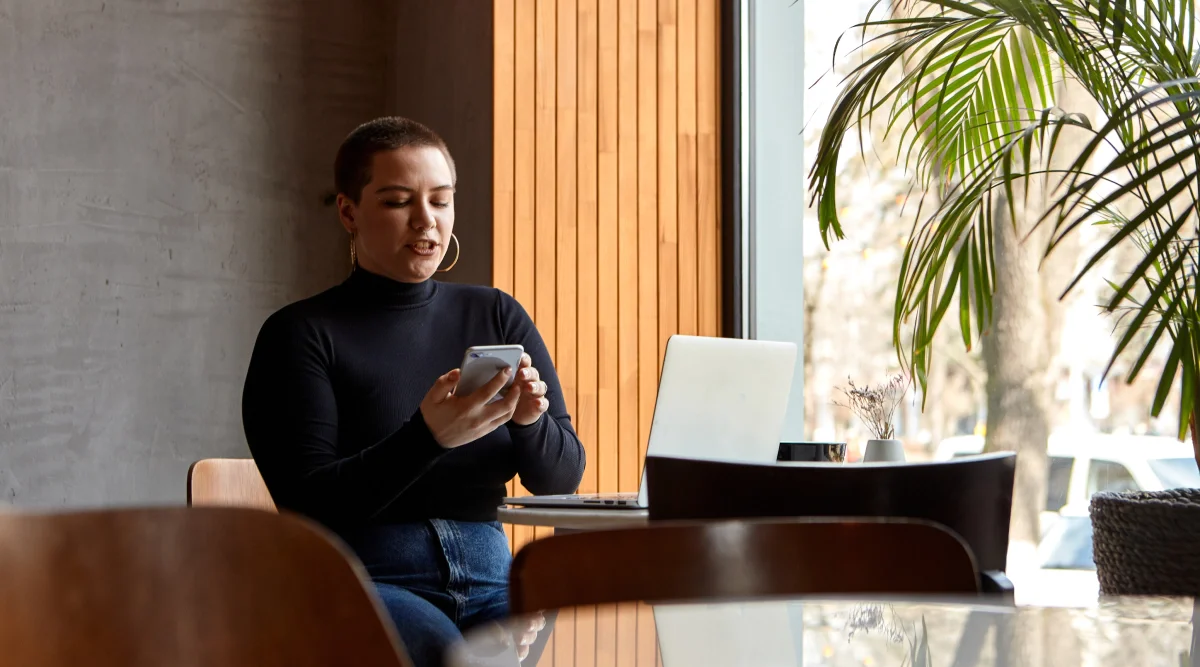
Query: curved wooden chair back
(229,483)
(971,496)
(739,559)
(184,587)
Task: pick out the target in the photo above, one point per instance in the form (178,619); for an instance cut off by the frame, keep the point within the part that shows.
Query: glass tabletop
(841,633)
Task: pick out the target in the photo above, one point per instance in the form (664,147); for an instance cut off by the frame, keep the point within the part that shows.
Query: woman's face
(404,218)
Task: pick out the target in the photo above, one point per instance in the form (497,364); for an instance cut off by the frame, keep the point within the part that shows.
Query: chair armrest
(995,582)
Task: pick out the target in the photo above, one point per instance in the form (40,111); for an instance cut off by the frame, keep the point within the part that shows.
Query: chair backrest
(971,496)
(739,559)
(229,483)
(184,587)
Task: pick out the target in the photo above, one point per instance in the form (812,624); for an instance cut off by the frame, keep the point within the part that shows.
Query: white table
(850,631)
(566,519)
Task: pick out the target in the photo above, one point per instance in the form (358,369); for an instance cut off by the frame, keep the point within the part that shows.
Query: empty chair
(184,586)
(971,496)
(228,482)
(739,559)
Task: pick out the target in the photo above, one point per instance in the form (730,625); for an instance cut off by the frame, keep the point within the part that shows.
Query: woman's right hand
(456,420)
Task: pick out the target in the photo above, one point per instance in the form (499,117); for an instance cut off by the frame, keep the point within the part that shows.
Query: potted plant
(969,88)
(876,408)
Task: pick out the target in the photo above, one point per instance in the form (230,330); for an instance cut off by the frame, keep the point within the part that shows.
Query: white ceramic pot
(883,451)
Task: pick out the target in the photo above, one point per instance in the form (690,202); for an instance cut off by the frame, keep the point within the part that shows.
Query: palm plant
(975,109)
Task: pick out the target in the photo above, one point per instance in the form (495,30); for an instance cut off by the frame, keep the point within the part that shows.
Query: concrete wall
(162,166)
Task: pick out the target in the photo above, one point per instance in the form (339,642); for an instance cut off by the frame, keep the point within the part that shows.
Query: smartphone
(481,363)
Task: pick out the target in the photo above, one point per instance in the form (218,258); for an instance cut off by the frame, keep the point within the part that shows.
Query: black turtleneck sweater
(332,396)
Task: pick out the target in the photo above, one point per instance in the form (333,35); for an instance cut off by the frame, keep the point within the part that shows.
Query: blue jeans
(437,578)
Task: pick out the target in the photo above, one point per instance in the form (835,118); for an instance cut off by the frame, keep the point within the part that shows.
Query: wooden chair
(229,483)
(739,559)
(971,496)
(184,587)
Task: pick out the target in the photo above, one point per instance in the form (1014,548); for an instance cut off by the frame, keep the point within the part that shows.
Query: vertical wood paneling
(627,245)
(707,201)
(668,236)
(607,240)
(607,225)
(524,178)
(567,278)
(685,86)
(585,637)
(566,212)
(525,160)
(564,640)
(607,228)
(546,156)
(647,638)
(504,52)
(588,59)
(647,245)
(647,219)
(545,102)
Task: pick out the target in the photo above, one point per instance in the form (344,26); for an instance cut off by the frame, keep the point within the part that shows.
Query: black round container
(826,452)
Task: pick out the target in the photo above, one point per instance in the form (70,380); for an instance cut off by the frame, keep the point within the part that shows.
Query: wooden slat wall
(607,226)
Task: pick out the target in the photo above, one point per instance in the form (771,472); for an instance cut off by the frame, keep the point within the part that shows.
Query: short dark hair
(352,166)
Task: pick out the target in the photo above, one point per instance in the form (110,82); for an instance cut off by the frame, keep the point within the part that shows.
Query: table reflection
(847,633)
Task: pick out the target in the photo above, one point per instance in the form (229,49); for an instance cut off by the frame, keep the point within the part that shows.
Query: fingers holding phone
(455,420)
(465,405)
(503,410)
(497,407)
(533,402)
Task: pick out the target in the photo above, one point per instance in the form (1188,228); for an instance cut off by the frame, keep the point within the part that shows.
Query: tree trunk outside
(1057,270)
(1194,434)
(1021,352)
(937,413)
(813,300)
(1015,355)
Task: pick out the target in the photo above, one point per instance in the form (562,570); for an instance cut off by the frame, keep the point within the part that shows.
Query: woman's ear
(346,213)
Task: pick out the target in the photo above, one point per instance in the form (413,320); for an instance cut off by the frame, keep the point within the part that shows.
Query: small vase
(883,451)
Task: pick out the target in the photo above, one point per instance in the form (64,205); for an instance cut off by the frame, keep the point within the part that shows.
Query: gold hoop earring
(353,254)
(457,252)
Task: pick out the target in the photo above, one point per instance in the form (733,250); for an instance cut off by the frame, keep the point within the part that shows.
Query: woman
(350,411)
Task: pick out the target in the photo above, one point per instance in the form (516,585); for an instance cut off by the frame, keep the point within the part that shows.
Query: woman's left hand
(533,400)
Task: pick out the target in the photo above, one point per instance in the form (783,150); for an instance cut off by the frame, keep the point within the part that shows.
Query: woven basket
(1147,542)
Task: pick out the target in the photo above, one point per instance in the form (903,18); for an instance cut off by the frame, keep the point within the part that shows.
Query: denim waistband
(459,558)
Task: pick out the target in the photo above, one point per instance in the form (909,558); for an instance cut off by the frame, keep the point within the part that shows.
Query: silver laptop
(720,399)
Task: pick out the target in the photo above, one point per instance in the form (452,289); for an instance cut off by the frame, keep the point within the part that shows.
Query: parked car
(1081,465)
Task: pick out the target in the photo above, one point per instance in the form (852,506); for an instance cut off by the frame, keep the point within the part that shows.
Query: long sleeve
(290,415)
(549,456)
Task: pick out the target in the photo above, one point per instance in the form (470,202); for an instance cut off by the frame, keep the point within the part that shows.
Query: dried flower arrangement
(867,618)
(876,406)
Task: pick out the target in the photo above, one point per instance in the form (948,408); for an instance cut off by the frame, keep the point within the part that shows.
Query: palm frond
(1159,169)
(964,81)
(969,86)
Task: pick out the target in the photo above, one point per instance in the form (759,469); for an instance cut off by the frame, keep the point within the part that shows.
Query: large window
(771,109)
(837,302)
(849,290)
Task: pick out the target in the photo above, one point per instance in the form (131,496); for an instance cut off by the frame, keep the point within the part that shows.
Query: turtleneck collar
(386,291)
